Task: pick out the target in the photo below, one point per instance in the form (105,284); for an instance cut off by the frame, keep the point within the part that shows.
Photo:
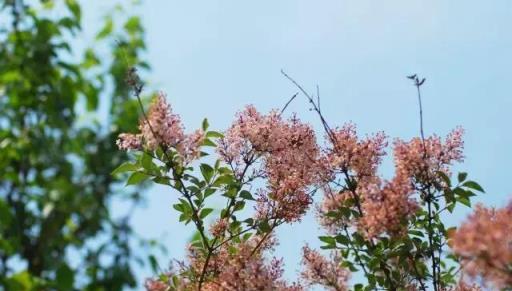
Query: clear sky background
(213,57)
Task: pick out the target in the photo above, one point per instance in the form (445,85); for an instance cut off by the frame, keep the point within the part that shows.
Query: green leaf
(68,23)
(184,217)
(349,265)
(132,25)
(136,178)
(235,225)
(328,239)
(5,214)
(162,180)
(416,233)
(264,226)
(205,124)
(175,281)
(473,185)
(328,247)
(342,239)
(231,193)
(208,143)
(20,281)
(106,30)
(186,207)
(246,236)
(246,195)
(462,176)
(65,277)
(239,205)
(450,207)
(208,192)
(223,180)
(464,201)
(125,167)
(207,172)
(178,207)
(449,195)
(147,161)
(74,7)
(214,134)
(205,212)
(154,263)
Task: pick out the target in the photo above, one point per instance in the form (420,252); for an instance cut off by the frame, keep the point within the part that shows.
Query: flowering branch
(390,230)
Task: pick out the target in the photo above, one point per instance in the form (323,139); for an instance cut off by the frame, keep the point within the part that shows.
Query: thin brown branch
(288,103)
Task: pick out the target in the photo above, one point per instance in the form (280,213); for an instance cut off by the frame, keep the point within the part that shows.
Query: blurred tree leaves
(55,182)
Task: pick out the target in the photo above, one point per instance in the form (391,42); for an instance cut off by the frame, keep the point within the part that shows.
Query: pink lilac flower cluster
(163,129)
(288,157)
(484,245)
(386,207)
(350,154)
(463,286)
(155,285)
(235,266)
(421,160)
(219,227)
(383,204)
(324,272)
(128,141)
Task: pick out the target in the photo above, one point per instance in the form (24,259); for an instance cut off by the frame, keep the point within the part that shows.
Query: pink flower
(219,227)
(421,160)
(191,145)
(324,272)
(284,152)
(155,285)
(463,286)
(162,127)
(236,266)
(127,141)
(385,209)
(484,244)
(350,154)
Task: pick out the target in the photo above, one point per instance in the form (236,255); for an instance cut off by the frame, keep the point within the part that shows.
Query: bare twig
(418,84)
(288,103)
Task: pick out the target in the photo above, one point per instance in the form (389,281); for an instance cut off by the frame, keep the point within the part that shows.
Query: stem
(203,272)
(137,91)
(288,103)
(428,195)
(422,285)
(356,252)
(260,243)
(421,113)
(231,237)
(431,244)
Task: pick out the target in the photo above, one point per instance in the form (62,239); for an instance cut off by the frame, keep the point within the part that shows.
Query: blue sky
(213,57)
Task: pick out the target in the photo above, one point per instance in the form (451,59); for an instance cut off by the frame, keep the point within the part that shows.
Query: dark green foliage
(55,185)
